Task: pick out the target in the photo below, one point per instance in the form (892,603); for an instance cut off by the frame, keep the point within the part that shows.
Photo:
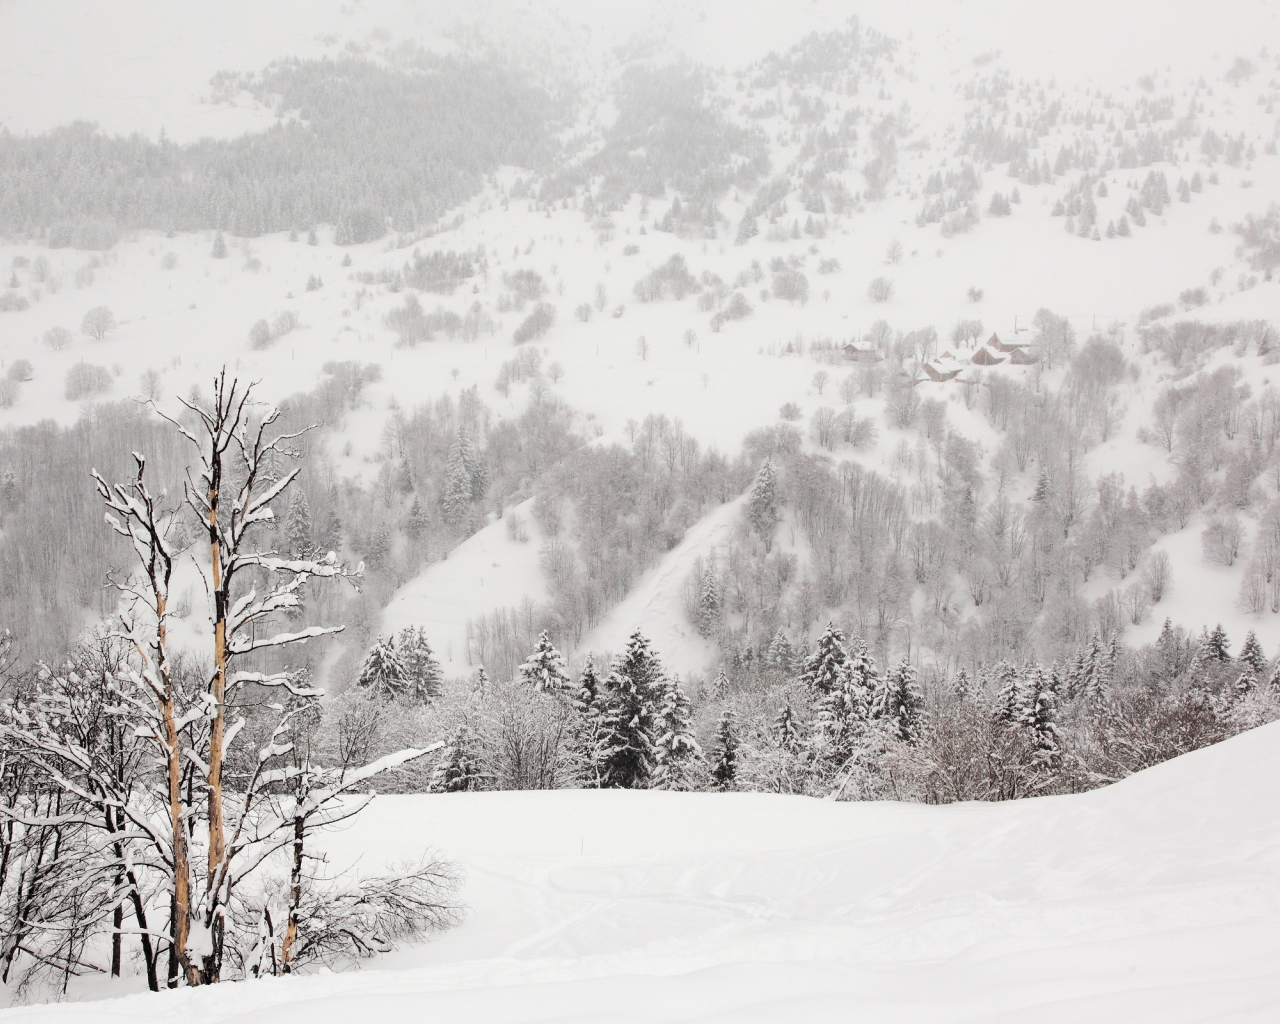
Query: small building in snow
(985,357)
(860,352)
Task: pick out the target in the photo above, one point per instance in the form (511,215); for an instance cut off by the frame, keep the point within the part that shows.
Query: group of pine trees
(833,722)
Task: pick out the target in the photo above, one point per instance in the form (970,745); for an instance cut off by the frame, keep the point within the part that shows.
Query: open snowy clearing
(1152,900)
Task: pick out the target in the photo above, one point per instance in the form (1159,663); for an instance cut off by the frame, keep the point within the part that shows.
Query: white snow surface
(1152,900)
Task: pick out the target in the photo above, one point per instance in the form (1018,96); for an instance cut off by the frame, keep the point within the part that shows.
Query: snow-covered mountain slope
(1152,900)
(954,77)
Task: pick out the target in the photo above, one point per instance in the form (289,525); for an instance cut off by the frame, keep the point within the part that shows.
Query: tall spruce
(625,744)
(763,503)
(724,766)
(458,770)
(545,669)
(422,673)
(383,673)
(677,755)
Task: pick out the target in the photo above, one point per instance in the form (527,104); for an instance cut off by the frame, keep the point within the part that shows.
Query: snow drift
(1152,900)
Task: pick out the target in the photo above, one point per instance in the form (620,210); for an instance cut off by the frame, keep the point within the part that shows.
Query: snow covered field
(1154,900)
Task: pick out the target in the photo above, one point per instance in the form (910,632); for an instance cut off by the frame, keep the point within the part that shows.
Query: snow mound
(1153,900)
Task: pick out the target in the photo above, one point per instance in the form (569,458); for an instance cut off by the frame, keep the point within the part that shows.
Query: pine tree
(1251,655)
(1010,705)
(588,689)
(1040,709)
(382,674)
(828,666)
(404,478)
(962,684)
(899,704)
(423,675)
(1244,685)
(545,669)
(419,521)
(843,711)
(781,651)
(762,503)
(1217,647)
(455,499)
(1273,682)
(219,247)
(786,731)
(480,685)
(625,742)
(459,768)
(724,767)
(709,602)
(332,537)
(720,685)
(297,525)
(676,750)
(624,753)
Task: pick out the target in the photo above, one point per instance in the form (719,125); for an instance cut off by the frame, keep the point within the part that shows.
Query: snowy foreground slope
(1153,900)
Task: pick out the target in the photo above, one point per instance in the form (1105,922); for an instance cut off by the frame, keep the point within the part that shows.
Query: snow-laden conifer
(459,769)
(899,705)
(545,669)
(724,763)
(763,502)
(383,673)
(677,755)
(422,673)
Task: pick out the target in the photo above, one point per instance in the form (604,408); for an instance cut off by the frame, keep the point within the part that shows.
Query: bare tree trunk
(217,832)
(295,893)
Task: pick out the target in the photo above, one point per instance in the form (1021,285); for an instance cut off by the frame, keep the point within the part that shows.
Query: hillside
(1149,901)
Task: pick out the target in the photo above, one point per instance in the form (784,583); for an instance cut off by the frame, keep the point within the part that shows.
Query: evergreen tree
(404,478)
(331,540)
(781,651)
(455,499)
(1273,682)
(1040,709)
(588,689)
(786,731)
(676,750)
(899,704)
(419,521)
(219,247)
(297,525)
(1217,647)
(1251,655)
(762,503)
(1244,685)
(827,667)
(382,674)
(962,684)
(624,754)
(724,768)
(480,685)
(747,230)
(545,669)
(1010,705)
(423,675)
(720,685)
(709,602)
(625,742)
(458,770)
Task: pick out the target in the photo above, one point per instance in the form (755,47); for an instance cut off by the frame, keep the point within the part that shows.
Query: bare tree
(880,289)
(98,323)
